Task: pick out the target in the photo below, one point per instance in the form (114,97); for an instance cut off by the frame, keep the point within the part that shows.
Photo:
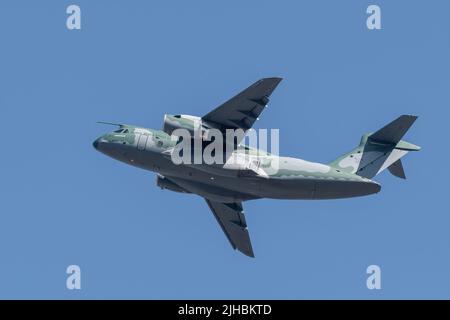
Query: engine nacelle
(164,183)
(181,121)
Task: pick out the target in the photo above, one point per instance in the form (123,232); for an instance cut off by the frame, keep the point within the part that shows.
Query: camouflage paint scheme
(225,187)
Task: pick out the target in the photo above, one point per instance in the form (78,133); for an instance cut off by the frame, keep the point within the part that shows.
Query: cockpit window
(177,116)
(121,131)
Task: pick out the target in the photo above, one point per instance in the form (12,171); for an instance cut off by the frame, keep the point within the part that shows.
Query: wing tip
(248,252)
(272,79)
(410,117)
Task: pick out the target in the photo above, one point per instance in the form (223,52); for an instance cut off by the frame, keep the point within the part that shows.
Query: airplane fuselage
(293,178)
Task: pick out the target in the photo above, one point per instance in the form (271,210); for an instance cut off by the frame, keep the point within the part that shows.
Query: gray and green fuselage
(291,179)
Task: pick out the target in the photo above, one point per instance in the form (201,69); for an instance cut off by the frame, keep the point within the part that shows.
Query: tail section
(397,169)
(379,151)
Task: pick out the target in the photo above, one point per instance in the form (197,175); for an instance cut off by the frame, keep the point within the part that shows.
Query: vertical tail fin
(393,132)
(379,151)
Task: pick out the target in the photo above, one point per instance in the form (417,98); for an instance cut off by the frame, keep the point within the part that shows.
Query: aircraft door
(142,141)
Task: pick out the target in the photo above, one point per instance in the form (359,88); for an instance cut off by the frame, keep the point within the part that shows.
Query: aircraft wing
(231,219)
(241,111)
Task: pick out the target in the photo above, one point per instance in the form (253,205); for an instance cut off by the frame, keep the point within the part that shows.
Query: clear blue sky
(64,203)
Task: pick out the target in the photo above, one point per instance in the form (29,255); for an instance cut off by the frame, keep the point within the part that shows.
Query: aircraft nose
(95,144)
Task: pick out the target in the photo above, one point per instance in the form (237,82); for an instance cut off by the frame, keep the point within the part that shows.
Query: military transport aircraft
(226,187)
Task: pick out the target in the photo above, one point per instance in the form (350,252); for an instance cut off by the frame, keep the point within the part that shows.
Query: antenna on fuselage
(110,123)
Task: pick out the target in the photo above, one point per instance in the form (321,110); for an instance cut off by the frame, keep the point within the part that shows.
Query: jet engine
(173,122)
(187,122)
